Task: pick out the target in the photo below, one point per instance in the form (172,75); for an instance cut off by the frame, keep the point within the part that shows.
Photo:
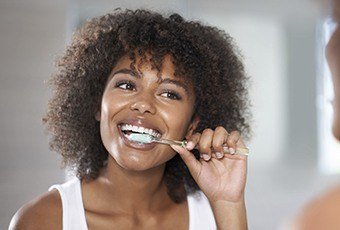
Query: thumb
(189,159)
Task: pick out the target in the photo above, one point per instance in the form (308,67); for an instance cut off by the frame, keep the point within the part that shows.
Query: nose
(144,104)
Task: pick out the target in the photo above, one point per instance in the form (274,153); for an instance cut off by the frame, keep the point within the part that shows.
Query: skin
(333,58)
(130,192)
(323,211)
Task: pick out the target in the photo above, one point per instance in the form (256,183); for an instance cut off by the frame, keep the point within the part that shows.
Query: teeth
(152,132)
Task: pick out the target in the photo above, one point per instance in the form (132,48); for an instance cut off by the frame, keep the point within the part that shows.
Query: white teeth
(156,134)
(140,129)
(152,132)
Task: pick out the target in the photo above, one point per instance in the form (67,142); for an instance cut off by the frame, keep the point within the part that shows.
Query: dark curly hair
(203,55)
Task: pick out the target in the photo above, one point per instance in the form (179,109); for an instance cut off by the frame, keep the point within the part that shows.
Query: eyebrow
(166,80)
(127,71)
(175,82)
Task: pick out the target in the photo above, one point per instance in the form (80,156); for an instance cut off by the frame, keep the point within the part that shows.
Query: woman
(137,71)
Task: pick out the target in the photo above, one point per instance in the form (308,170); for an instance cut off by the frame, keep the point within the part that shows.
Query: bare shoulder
(322,212)
(44,212)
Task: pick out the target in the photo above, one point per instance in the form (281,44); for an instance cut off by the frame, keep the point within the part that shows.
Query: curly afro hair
(203,55)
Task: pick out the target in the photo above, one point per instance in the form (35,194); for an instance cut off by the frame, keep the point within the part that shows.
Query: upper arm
(45,212)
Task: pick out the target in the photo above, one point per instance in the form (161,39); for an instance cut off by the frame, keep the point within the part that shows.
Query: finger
(232,140)
(192,141)
(204,144)
(220,135)
(189,159)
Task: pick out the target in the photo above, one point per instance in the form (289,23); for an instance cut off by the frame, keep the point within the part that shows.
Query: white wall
(31,34)
(262,42)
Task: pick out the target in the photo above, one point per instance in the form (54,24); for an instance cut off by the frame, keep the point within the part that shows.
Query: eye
(126,85)
(171,95)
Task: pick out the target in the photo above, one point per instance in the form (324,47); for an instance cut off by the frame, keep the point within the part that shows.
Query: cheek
(177,120)
(111,105)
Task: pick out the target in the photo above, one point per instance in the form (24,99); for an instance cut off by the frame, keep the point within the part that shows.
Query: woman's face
(140,101)
(333,58)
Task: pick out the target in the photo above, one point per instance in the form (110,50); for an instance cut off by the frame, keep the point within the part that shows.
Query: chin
(134,163)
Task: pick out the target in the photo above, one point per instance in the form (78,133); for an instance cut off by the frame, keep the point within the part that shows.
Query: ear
(97,115)
(192,126)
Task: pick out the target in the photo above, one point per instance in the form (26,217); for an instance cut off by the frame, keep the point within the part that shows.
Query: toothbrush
(146,138)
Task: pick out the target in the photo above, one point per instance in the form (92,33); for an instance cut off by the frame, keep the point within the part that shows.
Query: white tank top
(200,214)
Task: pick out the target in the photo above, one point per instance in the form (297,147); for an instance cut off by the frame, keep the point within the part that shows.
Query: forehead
(145,66)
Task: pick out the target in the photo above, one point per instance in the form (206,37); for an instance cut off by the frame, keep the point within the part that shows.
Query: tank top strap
(72,204)
(201,216)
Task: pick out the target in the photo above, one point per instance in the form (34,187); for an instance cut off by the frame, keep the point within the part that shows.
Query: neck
(132,191)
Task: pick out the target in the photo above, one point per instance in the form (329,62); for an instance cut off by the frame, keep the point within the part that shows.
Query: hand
(220,176)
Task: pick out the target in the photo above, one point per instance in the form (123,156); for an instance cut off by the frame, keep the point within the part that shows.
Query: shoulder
(321,213)
(44,212)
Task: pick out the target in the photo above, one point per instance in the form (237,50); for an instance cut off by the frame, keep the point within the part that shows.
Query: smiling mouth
(128,129)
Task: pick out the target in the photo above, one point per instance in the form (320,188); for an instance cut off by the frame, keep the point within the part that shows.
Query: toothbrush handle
(238,151)
(170,142)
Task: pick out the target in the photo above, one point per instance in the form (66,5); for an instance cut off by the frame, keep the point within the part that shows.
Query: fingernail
(206,157)
(232,151)
(219,155)
(190,145)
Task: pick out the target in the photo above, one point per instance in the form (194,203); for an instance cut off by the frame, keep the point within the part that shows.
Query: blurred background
(293,155)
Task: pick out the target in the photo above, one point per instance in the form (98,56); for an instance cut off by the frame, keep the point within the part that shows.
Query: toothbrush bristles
(141,137)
